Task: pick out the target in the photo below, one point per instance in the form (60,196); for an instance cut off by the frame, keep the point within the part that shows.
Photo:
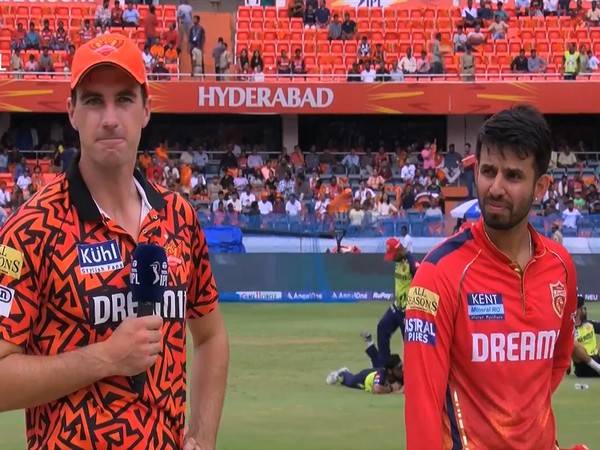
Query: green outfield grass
(278,400)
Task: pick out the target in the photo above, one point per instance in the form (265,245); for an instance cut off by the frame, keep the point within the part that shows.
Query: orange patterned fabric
(69,288)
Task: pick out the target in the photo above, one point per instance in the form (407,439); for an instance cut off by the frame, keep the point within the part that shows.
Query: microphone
(148,280)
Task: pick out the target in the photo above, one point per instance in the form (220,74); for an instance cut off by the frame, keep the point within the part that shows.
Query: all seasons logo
(11,261)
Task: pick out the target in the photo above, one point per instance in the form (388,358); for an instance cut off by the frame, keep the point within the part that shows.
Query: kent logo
(99,257)
(485,306)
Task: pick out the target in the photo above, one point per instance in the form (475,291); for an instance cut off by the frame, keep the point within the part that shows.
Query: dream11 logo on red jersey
(559,297)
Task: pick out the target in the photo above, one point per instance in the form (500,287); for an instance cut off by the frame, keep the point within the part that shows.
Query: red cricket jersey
(486,345)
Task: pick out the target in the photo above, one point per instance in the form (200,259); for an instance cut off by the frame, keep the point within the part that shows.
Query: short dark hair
(521,129)
(144,90)
(393,361)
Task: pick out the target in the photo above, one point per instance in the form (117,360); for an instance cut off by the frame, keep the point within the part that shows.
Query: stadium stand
(309,193)
(80,22)
(271,30)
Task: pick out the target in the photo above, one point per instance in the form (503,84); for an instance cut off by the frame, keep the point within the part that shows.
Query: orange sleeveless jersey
(486,345)
(63,285)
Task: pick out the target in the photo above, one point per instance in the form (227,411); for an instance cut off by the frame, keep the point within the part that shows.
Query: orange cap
(112,49)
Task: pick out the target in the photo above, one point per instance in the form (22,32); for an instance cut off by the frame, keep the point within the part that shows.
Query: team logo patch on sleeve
(11,261)
(421,299)
(99,257)
(485,306)
(420,330)
(6,298)
(559,297)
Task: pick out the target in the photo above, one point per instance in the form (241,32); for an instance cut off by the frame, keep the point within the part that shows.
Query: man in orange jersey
(489,315)
(70,338)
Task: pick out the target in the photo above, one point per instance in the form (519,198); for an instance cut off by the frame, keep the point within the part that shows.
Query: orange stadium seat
(351,11)
(283,35)
(389,13)
(403,14)
(256,13)
(269,47)
(389,24)
(390,36)
(281,46)
(557,46)
(542,47)
(586,42)
(554,34)
(323,46)
(418,47)
(310,60)
(310,34)
(351,47)
(268,59)
(270,12)
(282,13)
(416,14)
(243,12)
(403,25)
(322,35)
(362,13)
(500,47)
(296,24)
(337,47)
(376,25)
(375,13)
(294,45)
(337,59)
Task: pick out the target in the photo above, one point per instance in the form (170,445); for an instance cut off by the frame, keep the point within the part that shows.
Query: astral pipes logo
(265,97)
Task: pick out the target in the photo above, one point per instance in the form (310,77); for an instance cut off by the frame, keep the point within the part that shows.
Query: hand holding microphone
(136,343)
(149,274)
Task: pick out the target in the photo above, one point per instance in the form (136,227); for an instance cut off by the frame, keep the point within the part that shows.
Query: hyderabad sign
(290,97)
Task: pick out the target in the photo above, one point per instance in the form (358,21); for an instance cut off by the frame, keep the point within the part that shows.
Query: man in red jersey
(489,315)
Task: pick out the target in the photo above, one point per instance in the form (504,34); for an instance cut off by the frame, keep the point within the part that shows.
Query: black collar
(86,206)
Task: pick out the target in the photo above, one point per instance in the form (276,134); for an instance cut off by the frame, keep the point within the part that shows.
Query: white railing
(325,77)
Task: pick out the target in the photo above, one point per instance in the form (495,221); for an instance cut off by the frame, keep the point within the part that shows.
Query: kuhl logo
(99,257)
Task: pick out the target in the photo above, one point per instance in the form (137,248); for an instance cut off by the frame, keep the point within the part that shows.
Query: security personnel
(393,318)
(586,357)
(383,380)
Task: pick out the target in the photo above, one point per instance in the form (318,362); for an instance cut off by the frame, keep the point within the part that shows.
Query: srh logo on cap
(106,45)
(112,49)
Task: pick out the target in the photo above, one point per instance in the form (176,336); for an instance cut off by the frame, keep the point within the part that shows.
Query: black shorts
(582,370)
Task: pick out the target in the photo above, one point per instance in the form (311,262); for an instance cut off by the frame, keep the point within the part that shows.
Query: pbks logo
(99,257)
(265,97)
(559,297)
